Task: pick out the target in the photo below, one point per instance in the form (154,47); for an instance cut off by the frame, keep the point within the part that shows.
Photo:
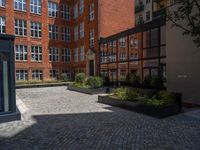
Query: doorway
(91,67)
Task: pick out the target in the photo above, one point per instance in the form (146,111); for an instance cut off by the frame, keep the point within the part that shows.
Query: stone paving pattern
(58,119)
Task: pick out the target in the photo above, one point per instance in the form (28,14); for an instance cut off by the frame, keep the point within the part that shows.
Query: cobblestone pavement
(58,119)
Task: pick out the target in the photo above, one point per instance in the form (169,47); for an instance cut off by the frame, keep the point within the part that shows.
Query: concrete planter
(141,107)
(87,91)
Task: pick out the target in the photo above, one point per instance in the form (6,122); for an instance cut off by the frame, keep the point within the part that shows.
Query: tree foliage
(187,11)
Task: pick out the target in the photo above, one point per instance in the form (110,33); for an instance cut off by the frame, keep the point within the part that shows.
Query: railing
(139,8)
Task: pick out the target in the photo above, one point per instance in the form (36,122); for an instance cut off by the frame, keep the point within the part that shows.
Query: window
(53,32)
(134,42)
(122,42)
(68,74)
(82,30)
(91,13)
(66,55)
(54,74)
(82,53)
(20,5)
(37,75)
(36,53)
(53,54)
(36,30)
(148,16)
(75,11)
(81,6)
(21,75)
(21,53)
(66,34)
(76,33)
(65,12)
(76,55)
(36,6)
(122,57)
(123,74)
(92,38)
(20,27)
(52,9)
(2,25)
(2,3)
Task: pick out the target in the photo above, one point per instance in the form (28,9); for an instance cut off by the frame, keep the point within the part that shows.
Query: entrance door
(91,66)
(1,86)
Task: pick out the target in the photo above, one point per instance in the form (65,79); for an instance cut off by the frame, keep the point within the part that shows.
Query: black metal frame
(158,23)
(7,46)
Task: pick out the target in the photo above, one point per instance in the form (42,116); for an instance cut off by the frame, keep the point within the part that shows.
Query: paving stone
(58,119)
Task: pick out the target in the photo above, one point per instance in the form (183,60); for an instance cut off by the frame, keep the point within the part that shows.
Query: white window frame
(66,34)
(2,25)
(22,28)
(82,34)
(91,38)
(76,52)
(82,53)
(53,54)
(21,75)
(65,12)
(54,74)
(122,42)
(66,55)
(91,12)
(53,32)
(76,11)
(21,53)
(52,9)
(81,8)
(20,5)
(36,29)
(36,53)
(37,75)
(36,5)
(2,3)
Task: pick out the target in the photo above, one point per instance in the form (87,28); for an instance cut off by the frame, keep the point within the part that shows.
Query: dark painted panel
(4,45)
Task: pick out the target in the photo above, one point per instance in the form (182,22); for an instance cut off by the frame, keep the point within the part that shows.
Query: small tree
(187,11)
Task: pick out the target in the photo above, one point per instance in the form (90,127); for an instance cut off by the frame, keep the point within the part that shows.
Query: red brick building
(61,36)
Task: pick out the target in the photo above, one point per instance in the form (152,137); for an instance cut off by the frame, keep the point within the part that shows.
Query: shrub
(120,93)
(94,82)
(64,77)
(132,94)
(80,78)
(162,99)
(134,79)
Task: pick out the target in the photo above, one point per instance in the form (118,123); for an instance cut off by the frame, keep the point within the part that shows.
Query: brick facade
(109,18)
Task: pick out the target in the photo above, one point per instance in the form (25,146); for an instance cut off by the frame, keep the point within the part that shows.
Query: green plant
(80,78)
(132,94)
(94,82)
(120,93)
(134,79)
(162,99)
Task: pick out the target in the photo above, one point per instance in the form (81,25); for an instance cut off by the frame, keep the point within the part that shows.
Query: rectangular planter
(141,107)
(87,91)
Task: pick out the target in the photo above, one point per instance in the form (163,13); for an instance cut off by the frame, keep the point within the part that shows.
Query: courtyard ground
(57,119)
